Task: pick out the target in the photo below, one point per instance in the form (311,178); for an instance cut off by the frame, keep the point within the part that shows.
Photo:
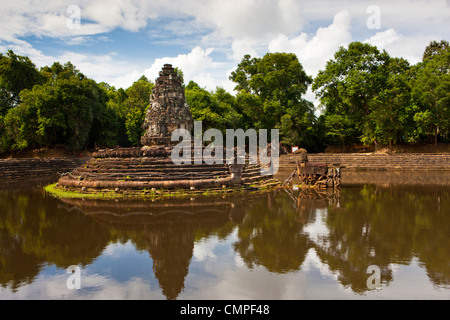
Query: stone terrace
(367,162)
(120,170)
(12,169)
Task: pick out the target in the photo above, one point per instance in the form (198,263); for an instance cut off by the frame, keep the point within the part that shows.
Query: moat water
(281,245)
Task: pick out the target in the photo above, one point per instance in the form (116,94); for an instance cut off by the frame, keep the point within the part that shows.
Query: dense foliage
(366,96)
(371,97)
(270,96)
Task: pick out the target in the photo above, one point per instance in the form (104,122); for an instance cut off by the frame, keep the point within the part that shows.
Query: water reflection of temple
(347,232)
(167,230)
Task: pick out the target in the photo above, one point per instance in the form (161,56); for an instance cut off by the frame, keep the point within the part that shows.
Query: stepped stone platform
(375,162)
(21,169)
(147,171)
(150,169)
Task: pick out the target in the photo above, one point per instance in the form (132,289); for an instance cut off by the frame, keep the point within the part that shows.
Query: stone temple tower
(168,109)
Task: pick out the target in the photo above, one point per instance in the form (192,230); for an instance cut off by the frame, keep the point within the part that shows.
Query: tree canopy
(16,74)
(60,111)
(270,96)
(215,109)
(385,99)
(431,92)
(366,96)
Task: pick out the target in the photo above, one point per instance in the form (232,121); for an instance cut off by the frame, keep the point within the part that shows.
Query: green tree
(367,89)
(116,103)
(16,73)
(392,110)
(435,48)
(135,107)
(227,106)
(270,91)
(297,126)
(215,109)
(180,74)
(431,92)
(60,111)
(338,128)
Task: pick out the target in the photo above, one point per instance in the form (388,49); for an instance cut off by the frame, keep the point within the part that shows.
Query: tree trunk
(436,136)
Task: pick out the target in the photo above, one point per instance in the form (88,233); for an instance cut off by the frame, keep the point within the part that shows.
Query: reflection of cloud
(93,287)
(204,249)
(111,276)
(317,230)
(118,249)
(212,246)
(223,277)
(312,262)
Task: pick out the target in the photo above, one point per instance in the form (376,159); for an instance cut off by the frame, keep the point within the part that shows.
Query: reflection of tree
(309,200)
(16,267)
(432,234)
(368,226)
(365,226)
(166,229)
(352,245)
(381,226)
(34,232)
(269,235)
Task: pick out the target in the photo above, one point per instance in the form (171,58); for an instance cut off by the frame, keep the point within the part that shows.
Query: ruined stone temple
(168,109)
(149,170)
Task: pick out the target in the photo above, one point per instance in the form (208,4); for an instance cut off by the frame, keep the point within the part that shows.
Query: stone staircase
(129,170)
(374,162)
(146,169)
(152,169)
(13,169)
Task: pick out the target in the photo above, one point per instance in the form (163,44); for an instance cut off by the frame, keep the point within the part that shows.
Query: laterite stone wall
(374,162)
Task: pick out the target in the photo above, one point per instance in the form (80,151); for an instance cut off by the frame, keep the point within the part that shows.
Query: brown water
(285,244)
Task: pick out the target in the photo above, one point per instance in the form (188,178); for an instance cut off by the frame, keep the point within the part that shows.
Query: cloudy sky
(117,41)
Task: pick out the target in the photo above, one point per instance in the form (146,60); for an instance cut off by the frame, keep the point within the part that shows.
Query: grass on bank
(65,194)
(60,193)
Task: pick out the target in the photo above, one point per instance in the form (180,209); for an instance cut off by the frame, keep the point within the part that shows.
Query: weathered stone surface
(375,162)
(14,169)
(145,151)
(138,170)
(168,109)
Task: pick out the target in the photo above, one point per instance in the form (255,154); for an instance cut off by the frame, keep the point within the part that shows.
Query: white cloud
(100,67)
(197,65)
(419,15)
(127,14)
(104,68)
(213,35)
(242,47)
(315,52)
(383,39)
(397,45)
(23,18)
(239,19)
